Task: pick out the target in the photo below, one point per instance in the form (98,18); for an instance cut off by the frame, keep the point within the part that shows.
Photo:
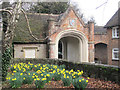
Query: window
(115,32)
(29,52)
(115,53)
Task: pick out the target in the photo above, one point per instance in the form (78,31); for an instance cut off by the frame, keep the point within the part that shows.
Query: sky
(99,9)
(101,14)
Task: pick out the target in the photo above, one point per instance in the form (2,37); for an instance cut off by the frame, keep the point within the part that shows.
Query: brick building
(69,38)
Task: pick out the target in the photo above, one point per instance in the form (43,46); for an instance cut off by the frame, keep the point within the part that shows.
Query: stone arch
(101,53)
(82,40)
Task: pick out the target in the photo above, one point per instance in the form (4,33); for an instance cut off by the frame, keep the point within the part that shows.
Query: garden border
(101,71)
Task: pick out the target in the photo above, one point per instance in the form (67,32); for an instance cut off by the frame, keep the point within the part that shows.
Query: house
(68,37)
(113,26)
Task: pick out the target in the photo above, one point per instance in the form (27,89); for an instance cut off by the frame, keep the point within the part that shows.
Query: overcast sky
(101,14)
(98,9)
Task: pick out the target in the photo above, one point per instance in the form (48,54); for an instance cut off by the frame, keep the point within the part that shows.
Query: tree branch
(29,29)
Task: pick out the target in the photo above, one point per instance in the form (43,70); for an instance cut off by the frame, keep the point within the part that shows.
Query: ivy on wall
(6,56)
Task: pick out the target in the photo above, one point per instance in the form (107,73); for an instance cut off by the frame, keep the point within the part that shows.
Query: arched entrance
(71,45)
(101,53)
(69,49)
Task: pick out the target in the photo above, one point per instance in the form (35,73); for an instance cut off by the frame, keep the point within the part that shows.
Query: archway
(69,49)
(74,46)
(101,53)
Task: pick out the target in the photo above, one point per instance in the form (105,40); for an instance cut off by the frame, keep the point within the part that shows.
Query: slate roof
(114,20)
(100,30)
(38,24)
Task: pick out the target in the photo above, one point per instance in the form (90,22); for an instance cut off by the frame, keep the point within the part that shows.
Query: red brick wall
(112,43)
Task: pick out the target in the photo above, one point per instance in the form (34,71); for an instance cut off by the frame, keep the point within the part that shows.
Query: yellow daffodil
(79,80)
(33,76)
(83,79)
(44,79)
(14,71)
(38,79)
(23,78)
(21,73)
(67,76)
(48,75)
(86,80)
(9,78)
(41,74)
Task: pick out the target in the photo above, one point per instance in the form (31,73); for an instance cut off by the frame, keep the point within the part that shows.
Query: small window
(115,53)
(30,53)
(115,32)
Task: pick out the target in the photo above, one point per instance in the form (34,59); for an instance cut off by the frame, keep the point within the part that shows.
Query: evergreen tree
(49,7)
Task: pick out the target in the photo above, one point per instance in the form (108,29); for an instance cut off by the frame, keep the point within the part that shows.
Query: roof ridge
(44,14)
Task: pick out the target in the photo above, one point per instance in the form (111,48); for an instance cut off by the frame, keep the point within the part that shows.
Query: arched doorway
(72,45)
(101,53)
(69,49)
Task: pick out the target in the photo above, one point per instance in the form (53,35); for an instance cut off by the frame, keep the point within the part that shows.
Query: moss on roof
(38,24)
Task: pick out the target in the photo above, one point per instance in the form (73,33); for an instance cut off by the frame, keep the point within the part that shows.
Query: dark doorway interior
(101,53)
(60,50)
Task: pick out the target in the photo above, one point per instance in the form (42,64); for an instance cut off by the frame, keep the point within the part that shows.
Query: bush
(40,82)
(15,81)
(80,83)
(28,79)
(66,80)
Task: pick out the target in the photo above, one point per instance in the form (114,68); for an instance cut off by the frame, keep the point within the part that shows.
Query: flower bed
(41,74)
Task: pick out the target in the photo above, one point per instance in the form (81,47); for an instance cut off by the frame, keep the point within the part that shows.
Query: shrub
(40,82)
(66,80)
(80,83)
(15,81)
(28,79)
(57,76)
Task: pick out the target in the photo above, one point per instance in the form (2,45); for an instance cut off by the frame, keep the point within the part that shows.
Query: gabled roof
(38,24)
(62,16)
(114,20)
(100,30)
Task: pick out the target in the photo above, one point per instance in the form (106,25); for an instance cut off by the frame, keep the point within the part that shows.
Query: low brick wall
(104,72)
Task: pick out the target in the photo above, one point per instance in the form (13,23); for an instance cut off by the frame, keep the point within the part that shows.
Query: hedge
(103,72)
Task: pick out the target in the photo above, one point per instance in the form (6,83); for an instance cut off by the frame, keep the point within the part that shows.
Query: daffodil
(21,73)
(14,71)
(86,80)
(48,75)
(79,80)
(67,76)
(38,79)
(44,79)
